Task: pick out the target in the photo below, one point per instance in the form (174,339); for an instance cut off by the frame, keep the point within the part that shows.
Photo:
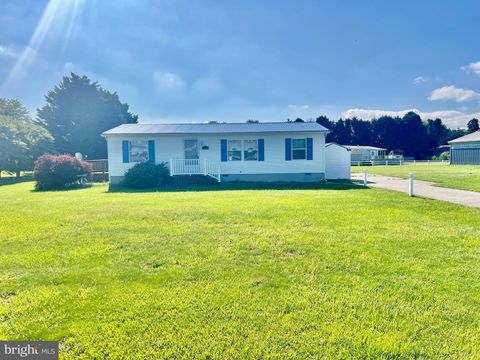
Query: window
(250,150)
(234,150)
(299,149)
(138,151)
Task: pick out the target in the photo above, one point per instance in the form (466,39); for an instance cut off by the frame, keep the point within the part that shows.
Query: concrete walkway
(422,188)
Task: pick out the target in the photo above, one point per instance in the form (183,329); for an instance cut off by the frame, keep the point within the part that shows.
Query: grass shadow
(10,180)
(327,185)
(68,188)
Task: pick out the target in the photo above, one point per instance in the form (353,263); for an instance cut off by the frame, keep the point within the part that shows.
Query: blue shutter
(125,151)
(309,148)
(261,150)
(288,149)
(223,149)
(151,151)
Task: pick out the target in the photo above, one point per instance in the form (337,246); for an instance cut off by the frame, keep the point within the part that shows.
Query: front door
(191,149)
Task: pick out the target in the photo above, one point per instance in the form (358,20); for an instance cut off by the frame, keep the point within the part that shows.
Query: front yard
(269,273)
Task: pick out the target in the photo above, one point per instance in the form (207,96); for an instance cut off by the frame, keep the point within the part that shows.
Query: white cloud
(208,87)
(8,52)
(453,93)
(419,80)
(451,118)
(168,82)
(475,67)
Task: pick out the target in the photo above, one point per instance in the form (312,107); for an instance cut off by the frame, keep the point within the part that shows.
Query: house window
(250,150)
(138,151)
(299,149)
(234,150)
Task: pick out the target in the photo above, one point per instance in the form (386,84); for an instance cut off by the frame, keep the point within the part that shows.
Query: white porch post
(170,167)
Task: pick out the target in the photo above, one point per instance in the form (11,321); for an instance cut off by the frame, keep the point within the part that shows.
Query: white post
(365,178)
(219,177)
(410,184)
(205,167)
(386,162)
(170,167)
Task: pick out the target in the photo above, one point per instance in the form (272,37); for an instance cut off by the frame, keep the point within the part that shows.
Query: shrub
(59,171)
(146,175)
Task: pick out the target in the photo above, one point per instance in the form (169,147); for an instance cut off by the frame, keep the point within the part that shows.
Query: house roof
(127,129)
(475,136)
(334,143)
(358,147)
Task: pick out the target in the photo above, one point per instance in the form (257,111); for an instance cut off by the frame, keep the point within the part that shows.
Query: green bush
(146,175)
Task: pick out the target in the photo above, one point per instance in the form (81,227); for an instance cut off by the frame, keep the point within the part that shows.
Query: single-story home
(263,152)
(366,153)
(465,150)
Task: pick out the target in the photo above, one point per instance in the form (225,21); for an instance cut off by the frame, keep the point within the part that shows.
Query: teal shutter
(261,150)
(151,151)
(309,148)
(125,151)
(288,149)
(223,149)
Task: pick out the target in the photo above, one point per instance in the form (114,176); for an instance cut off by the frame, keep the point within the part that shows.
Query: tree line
(409,134)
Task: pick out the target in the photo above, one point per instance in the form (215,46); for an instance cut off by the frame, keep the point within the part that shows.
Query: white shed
(337,161)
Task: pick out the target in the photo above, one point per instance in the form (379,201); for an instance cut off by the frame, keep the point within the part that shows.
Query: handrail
(194,167)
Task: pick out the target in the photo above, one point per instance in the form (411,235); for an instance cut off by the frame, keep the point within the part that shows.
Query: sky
(197,61)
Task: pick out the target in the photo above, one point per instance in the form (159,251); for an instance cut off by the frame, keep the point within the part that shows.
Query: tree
(413,135)
(76,113)
(325,122)
(250,121)
(473,126)
(22,141)
(437,133)
(299,120)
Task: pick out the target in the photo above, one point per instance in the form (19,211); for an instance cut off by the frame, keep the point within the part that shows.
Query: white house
(366,153)
(465,149)
(266,152)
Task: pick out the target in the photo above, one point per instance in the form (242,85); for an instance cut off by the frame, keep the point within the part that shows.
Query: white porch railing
(194,167)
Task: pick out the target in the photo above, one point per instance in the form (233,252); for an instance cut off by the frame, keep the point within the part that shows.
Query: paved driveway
(422,188)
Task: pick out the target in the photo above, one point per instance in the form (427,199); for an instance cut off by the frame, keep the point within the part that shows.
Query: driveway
(422,188)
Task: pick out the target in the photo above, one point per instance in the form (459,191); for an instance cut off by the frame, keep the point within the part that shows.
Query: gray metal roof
(361,147)
(126,129)
(334,143)
(473,137)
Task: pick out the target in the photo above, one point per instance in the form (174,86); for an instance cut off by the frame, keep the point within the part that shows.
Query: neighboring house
(465,150)
(336,156)
(227,152)
(366,153)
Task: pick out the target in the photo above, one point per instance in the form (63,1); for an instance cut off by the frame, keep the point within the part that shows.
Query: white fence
(194,167)
(397,162)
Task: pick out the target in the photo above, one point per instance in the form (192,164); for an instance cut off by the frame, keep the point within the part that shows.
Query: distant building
(465,150)
(366,153)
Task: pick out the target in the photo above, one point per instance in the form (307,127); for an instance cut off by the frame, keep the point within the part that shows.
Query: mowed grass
(333,272)
(465,177)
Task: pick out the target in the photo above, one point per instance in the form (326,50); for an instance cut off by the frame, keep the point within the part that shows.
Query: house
(264,152)
(465,150)
(366,153)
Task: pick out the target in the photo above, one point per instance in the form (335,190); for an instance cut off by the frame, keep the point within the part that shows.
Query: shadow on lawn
(328,185)
(10,180)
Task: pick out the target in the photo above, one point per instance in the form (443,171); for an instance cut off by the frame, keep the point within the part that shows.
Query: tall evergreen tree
(77,111)
(472,125)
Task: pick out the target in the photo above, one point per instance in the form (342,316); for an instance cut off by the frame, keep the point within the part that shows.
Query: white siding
(337,160)
(171,146)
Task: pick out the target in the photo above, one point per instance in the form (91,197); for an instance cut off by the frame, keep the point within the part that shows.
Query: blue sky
(184,61)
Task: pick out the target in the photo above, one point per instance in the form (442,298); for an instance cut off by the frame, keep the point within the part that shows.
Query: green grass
(325,271)
(465,177)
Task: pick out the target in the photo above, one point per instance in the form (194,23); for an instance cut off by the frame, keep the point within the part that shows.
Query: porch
(194,167)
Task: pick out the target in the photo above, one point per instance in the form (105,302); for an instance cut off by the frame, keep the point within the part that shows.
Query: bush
(146,175)
(59,171)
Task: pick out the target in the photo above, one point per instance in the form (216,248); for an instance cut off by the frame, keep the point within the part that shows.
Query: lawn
(465,177)
(326,271)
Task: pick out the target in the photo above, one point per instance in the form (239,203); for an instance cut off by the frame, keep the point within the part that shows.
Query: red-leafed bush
(59,171)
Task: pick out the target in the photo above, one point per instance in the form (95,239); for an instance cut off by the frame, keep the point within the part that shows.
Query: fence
(388,162)
(99,169)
